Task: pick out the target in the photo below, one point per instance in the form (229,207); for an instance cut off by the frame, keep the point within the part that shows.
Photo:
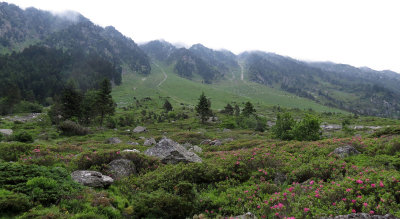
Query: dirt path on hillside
(165,75)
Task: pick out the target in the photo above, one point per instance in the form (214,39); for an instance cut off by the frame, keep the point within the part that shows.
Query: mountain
(360,91)
(21,28)
(186,63)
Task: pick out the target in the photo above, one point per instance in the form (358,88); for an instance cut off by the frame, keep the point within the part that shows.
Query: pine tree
(167,106)
(105,103)
(248,109)
(237,110)
(203,108)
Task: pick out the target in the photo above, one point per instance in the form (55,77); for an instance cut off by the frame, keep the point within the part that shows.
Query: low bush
(70,128)
(23,137)
(13,151)
(13,203)
(28,107)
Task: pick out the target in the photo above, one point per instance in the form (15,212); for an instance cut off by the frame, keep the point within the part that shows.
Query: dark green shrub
(111,123)
(308,129)
(12,151)
(23,137)
(44,190)
(283,127)
(70,128)
(13,203)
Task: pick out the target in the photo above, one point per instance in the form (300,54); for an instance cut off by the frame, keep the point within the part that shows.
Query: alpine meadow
(95,125)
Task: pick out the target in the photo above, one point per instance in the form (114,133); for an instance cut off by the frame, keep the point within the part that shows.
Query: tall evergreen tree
(203,108)
(248,109)
(237,110)
(71,100)
(105,103)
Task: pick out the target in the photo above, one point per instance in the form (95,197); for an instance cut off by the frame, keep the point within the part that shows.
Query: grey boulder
(130,151)
(361,216)
(345,151)
(120,168)
(113,141)
(170,152)
(91,178)
(139,129)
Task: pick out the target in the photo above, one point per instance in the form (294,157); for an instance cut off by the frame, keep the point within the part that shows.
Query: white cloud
(356,32)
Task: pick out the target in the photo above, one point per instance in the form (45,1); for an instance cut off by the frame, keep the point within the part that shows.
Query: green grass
(182,90)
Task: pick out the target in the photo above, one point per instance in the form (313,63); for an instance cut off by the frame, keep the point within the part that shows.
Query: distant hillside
(342,86)
(21,28)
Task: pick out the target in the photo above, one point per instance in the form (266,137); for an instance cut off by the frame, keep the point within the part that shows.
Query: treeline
(38,74)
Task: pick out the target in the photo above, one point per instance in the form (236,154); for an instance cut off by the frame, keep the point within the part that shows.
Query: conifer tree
(203,108)
(71,100)
(248,109)
(228,109)
(105,103)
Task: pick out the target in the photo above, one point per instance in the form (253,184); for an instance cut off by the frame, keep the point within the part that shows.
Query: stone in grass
(361,216)
(120,168)
(140,129)
(130,151)
(6,132)
(345,151)
(170,152)
(113,141)
(91,178)
(248,215)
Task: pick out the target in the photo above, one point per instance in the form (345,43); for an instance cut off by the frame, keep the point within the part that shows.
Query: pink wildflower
(381,184)
(306,209)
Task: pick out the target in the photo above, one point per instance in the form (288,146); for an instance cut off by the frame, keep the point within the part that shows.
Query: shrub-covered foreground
(270,178)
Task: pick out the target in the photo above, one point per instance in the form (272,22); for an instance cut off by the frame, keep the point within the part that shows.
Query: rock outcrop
(91,178)
(345,151)
(121,168)
(170,152)
(130,151)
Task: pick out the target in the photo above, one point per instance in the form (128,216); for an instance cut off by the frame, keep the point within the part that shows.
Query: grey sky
(356,32)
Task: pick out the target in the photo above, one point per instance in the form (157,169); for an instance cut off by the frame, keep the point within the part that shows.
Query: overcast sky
(356,32)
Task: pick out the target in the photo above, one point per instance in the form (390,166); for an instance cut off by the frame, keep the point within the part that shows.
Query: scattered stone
(361,216)
(216,143)
(132,143)
(331,127)
(187,145)
(6,132)
(345,151)
(130,151)
(280,178)
(270,124)
(143,138)
(113,141)
(171,152)
(91,178)
(248,215)
(140,129)
(150,142)
(26,118)
(121,168)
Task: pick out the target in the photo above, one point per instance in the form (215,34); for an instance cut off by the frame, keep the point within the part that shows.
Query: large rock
(139,129)
(6,132)
(149,142)
(170,152)
(121,168)
(91,178)
(345,151)
(195,149)
(361,216)
(113,141)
